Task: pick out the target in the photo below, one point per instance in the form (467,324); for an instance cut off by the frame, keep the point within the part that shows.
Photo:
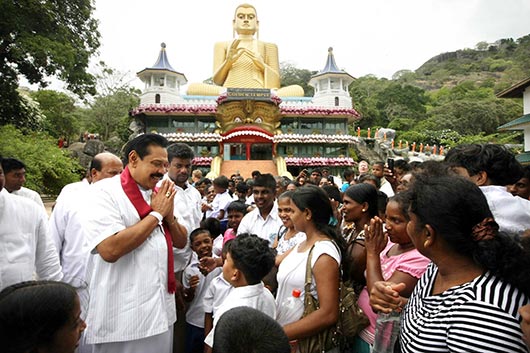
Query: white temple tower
(331,85)
(162,82)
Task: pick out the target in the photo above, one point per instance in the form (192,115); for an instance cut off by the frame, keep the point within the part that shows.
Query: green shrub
(48,168)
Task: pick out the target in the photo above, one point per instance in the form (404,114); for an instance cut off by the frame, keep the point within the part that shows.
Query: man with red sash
(131,232)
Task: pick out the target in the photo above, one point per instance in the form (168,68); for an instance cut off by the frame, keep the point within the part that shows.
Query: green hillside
(451,98)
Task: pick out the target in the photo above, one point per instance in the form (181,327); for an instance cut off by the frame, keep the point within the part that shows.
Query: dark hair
(179,150)
(333,192)
(221,181)
(526,172)
(255,173)
(499,163)
(267,181)
(452,206)
(401,164)
(432,168)
(9,164)
(241,330)
(204,181)
(242,187)
(369,176)
(382,200)
(348,173)
(237,206)
(316,200)
(141,143)
(32,312)
(361,193)
(286,194)
(198,231)
(403,200)
(381,163)
(252,256)
(213,225)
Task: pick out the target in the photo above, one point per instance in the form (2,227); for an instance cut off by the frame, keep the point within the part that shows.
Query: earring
(364,210)
(426,243)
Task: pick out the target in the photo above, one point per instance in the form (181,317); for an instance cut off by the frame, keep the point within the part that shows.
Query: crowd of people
(147,255)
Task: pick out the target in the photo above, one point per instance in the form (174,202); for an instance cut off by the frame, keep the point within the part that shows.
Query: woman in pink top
(390,256)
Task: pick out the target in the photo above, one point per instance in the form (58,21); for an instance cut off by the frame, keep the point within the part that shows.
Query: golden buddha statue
(245,62)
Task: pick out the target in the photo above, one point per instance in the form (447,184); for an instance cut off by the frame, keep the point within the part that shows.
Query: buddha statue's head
(245,20)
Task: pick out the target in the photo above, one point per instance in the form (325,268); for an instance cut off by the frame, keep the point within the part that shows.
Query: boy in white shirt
(195,285)
(248,260)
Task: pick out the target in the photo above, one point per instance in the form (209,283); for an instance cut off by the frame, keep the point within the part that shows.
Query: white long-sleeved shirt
(25,246)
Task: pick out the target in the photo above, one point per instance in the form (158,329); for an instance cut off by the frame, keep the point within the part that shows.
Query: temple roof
(331,67)
(515,91)
(517,124)
(162,63)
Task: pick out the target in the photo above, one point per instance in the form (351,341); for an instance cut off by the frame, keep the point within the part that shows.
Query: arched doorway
(247,143)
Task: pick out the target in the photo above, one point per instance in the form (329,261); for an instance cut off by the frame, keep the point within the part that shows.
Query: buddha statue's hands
(234,53)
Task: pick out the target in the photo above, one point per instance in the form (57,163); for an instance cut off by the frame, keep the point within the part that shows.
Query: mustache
(157,175)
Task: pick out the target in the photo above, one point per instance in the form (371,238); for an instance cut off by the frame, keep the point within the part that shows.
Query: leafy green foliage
(59,111)
(40,39)
(290,75)
(49,168)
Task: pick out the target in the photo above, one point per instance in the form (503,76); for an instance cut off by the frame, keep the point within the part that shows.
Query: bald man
(65,221)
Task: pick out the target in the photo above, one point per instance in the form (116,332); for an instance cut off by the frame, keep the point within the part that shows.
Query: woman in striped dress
(468,299)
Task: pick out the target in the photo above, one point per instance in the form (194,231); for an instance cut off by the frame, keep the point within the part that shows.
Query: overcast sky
(376,37)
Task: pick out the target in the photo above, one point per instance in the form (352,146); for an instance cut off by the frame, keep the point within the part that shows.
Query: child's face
(202,245)
(228,268)
(234,218)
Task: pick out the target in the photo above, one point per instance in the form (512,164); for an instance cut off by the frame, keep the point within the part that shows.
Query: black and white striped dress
(478,316)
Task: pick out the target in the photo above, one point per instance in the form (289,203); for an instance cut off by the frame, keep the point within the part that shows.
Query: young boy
(248,260)
(236,211)
(195,285)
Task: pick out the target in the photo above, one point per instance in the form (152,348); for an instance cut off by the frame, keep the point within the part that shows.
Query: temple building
(280,135)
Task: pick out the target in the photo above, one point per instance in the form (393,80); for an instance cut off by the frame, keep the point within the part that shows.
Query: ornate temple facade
(242,125)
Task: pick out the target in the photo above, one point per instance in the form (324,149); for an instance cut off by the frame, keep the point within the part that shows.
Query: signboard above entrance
(257,94)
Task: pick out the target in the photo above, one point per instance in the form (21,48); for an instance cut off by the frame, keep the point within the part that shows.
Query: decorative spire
(162,63)
(330,66)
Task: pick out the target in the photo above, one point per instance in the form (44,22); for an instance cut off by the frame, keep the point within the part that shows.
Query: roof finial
(330,50)
(163,45)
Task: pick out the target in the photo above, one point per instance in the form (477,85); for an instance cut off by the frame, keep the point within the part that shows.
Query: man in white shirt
(187,209)
(15,177)
(492,167)
(65,224)
(263,220)
(25,245)
(131,232)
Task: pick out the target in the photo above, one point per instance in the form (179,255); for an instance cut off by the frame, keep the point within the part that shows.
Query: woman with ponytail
(311,213)
(468,299)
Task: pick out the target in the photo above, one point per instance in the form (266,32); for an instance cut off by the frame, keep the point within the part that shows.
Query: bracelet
(157,215)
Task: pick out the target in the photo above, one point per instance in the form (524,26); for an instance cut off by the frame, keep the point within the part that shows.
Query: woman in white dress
(311,213)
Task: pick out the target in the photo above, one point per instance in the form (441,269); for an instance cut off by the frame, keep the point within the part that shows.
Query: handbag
(351,321)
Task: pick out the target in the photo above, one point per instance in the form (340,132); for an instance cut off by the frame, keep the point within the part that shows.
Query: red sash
(135,196)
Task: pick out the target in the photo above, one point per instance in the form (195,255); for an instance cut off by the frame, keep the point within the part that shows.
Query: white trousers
(162,343)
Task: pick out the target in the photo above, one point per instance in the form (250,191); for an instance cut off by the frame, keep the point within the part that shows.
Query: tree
(44,38)
(108,113)
(290,75)
(49,168)
(59,111)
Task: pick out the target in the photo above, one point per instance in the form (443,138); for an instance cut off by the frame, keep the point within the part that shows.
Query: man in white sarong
(131,232)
